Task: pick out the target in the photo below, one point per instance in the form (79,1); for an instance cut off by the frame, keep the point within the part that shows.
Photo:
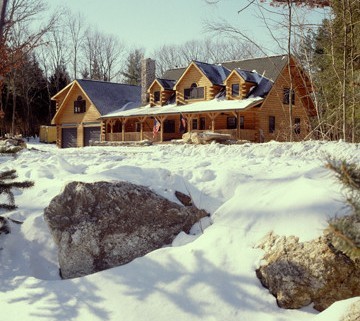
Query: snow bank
(250,190)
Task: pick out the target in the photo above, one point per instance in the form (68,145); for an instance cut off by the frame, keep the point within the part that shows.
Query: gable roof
(248,76)
(174,74)
(109,96)
(215,73)
(167,84)
(270,67)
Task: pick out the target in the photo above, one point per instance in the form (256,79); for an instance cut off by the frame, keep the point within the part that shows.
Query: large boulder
(105,224)
(298,274)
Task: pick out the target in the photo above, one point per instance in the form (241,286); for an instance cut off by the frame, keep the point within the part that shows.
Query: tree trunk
(345,47)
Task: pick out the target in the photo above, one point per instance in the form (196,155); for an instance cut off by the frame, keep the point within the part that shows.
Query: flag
(156,127)
(182,123)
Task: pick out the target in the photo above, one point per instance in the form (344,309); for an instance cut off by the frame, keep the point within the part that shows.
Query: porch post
(189,118)
(142,120)
(162,119)
(212,117)
(123,122)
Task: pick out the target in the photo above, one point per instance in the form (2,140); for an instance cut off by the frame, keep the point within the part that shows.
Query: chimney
(147,77)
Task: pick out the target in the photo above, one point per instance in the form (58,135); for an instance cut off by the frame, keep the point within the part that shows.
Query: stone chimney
(147,77)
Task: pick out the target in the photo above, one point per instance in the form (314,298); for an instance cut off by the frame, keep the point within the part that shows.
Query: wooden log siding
(193,75)
(244,87)
(273,106)
(155,87)
(233,80)
(67,114)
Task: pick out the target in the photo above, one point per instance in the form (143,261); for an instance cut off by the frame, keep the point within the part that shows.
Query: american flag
(183,121)
(156,127)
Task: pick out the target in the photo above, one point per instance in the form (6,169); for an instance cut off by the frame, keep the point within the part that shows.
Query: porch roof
(215,105)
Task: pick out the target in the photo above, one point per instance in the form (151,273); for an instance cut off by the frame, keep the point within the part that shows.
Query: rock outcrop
(353,312)
(101,225)
(298,274)
(205,137)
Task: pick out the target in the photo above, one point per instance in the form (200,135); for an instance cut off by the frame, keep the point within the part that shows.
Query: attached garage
(91,133)
(68,137)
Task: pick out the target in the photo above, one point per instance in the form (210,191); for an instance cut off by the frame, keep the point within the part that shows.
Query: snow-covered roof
(108,96)
(214,105)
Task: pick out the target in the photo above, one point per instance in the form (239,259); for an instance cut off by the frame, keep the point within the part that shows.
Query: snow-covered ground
(249,190)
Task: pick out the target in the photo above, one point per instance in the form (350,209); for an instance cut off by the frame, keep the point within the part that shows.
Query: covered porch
(159,124)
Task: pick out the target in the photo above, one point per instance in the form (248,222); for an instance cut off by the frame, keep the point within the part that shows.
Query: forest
(40,56)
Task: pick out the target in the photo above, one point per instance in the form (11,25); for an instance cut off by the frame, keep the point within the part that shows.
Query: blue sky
(153,23)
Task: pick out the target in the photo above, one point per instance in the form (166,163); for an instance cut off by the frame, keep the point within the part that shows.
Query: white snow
(202,106)
(209,275)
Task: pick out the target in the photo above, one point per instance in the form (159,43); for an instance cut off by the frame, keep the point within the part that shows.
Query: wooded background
(37,59)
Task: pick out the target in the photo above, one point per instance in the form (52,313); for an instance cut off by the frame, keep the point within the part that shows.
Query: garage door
(68,137)
(91,133)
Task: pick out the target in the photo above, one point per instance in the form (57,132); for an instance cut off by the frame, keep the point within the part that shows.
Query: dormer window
(79,105)
(156,96)
(194,92)
(235,90)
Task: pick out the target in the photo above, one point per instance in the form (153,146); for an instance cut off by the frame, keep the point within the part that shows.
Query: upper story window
(235,90)
(271,124)
(79,105)
(194,92)
(286,96)
(156,96)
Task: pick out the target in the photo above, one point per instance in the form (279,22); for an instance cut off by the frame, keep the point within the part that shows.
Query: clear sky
(153,23)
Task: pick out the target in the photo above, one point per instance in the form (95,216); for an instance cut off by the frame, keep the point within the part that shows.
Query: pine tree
(132,74)
(344,232)
(6,187)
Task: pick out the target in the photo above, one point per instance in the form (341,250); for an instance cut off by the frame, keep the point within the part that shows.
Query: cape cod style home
(248,100)
(80,105)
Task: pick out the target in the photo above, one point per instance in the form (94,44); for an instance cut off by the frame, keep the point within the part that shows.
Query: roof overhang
(215,105)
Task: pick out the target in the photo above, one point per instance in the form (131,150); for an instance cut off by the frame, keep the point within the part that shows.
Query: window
(297,126)
(271,124)
(117,127)
(138,127)
(169,126)
(79,105)
(286,96)
(235,90)
(242,124)
(194,124)
(202,123)
(231,123)
(156,96)
(194,92)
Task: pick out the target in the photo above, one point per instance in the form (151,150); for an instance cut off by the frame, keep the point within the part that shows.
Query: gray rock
(298,274)
(353,313)
(101,225)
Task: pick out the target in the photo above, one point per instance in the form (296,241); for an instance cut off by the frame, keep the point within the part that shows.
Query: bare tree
(21,37)
(76,30)
(208,50)
(104,55)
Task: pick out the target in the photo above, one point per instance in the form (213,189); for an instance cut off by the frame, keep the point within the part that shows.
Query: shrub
(344,232)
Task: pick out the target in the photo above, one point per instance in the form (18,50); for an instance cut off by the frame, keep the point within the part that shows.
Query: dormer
(200,81)
(161,91)
(239,83)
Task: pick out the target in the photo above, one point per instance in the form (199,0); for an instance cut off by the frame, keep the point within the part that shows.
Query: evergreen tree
(59,79)
(6,187)
(344,232)
(132,74)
